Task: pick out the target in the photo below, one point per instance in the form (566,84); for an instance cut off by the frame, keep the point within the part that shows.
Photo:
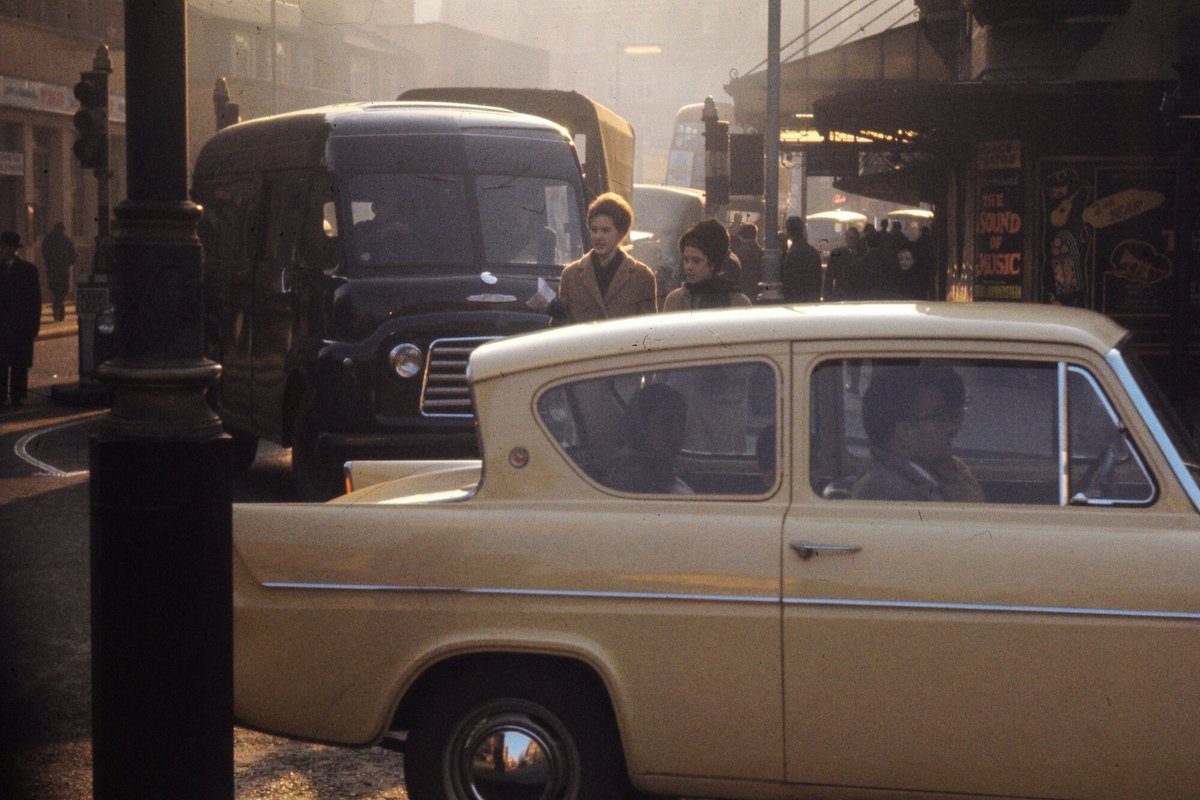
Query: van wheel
(313,477)
(245,448)
(559,742)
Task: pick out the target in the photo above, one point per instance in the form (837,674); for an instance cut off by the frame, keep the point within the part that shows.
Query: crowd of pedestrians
(719,270)
(879,264)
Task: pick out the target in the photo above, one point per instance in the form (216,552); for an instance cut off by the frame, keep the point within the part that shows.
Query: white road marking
(48,470)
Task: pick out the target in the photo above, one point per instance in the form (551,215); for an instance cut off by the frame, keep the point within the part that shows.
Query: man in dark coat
(20,318)
(58,254)
(801,274)
(745,247)
(844,279)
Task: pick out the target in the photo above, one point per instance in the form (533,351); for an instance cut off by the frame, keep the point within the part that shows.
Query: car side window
(707,430)
(968,431)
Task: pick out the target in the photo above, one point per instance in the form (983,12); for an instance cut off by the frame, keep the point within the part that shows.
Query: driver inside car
(911,415)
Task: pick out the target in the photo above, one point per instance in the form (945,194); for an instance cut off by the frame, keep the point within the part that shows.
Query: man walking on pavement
(801,274)
(20,318)
(58,254)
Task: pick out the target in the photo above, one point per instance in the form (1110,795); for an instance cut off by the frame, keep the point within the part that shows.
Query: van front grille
(445,392)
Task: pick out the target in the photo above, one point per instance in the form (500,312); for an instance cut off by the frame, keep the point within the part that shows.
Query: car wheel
(245,448)
(313,476)
(513,737)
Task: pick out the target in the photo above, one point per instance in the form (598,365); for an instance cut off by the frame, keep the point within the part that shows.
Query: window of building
(969,431)
(708,430)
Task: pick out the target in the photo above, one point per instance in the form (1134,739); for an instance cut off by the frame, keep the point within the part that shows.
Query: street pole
(274,62)
(161,583)
(771,276)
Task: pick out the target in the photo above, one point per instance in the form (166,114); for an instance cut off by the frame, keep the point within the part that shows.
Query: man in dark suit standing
(801,273)
(20,318)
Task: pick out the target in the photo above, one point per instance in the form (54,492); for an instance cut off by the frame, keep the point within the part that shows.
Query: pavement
(52,329)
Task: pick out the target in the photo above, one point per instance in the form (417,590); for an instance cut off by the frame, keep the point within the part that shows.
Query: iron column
(160,468)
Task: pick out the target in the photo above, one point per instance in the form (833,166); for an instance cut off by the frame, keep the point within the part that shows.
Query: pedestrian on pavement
(801,274)
(745,246)
(704,246)
(58,254)
(606,283)
(20,318)
(843,280)
(879,268)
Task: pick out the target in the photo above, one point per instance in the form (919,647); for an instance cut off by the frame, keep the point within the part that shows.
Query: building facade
(328,51)
(41,182)
(1060,150)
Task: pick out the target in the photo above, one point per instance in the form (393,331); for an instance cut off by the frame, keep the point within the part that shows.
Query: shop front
(1062,193)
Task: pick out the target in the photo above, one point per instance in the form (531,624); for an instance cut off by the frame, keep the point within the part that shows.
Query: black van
(354,256)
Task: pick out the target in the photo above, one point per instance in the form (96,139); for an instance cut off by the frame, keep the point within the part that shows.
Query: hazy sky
(427,10)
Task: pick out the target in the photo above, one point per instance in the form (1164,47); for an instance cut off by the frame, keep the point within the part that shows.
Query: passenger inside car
(652,431)
(911,415)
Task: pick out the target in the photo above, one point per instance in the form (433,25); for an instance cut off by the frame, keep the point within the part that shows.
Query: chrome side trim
(566,593)
(1117,362)
(725,598)
(1048,610)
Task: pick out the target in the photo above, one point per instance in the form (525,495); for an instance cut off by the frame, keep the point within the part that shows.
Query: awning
(945,115)
(902,53)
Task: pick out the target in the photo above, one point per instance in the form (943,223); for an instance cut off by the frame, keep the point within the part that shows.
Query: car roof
(1008,322)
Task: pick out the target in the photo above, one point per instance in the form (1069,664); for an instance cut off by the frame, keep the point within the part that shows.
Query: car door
(1031,631)
(678,545)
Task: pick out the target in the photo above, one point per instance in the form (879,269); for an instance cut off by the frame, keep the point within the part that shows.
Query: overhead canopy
(899,54)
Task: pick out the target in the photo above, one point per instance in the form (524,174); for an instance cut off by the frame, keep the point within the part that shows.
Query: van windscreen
(528,220)
(409,220)
(426,220)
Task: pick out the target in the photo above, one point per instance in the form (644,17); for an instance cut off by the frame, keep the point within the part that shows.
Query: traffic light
(746,164)
(91,120)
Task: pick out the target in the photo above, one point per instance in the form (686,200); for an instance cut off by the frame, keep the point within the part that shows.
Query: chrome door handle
(809,549)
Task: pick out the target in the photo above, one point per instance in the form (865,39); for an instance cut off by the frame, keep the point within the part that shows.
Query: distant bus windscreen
(685,161)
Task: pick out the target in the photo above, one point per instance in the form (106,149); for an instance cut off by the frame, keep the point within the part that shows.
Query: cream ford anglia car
(892,550)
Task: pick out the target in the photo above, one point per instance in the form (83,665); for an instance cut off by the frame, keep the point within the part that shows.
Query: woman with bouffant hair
(607,282)
(704,247)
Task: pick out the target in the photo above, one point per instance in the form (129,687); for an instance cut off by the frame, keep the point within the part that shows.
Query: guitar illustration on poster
(1066,238)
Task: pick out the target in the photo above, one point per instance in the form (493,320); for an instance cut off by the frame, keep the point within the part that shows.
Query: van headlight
(406,360)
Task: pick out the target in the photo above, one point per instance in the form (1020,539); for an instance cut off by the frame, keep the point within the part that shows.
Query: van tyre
(245,448)
(560,739)
(313,476)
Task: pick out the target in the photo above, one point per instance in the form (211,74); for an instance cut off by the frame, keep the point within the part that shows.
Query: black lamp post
(160,468)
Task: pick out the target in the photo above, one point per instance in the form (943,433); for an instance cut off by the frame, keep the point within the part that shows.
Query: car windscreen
(412,220)
(1184,444)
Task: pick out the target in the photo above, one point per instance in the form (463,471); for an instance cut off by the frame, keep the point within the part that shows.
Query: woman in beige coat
(607,282)
(704,247)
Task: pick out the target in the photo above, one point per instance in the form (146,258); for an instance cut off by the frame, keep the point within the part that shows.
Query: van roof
(365,119)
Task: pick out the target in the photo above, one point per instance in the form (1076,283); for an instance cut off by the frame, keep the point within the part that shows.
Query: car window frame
(1099,370)
(782,436)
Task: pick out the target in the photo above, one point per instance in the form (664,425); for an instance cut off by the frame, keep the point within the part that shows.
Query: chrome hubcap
(513,755)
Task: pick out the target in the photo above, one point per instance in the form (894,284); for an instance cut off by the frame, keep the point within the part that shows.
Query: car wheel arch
(439,673)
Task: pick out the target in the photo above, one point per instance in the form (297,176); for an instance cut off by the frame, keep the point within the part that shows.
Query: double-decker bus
(685,161)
